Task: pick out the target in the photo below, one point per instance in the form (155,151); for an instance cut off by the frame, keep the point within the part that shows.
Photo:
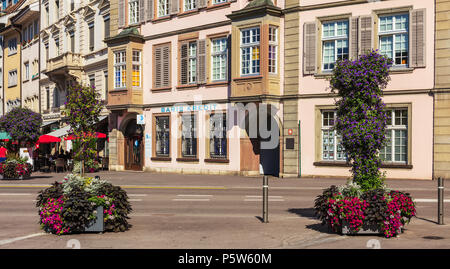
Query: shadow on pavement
(303,212)
(25,179)
(428,220)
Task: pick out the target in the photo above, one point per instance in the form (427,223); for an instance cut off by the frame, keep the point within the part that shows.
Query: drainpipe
(39,59)
(299,151)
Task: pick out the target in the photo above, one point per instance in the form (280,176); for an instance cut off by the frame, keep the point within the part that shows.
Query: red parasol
(48,139)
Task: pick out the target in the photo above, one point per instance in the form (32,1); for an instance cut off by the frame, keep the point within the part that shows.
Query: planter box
(366,228)
(97,225)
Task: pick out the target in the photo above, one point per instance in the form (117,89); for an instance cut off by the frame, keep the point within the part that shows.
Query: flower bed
(12,169)
(70,206)
(389,210)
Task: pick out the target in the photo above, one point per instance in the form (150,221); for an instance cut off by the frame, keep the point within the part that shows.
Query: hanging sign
(140,119)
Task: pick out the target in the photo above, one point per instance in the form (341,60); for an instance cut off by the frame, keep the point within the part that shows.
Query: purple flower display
(361,116)
(22,124)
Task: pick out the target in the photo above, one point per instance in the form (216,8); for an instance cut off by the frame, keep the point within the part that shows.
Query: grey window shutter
(142,10)
(174,5)
(365,34)
(417,38)
(158,67)
(202,3)
(166,66)
(121,13)
(149,11)
(184,63)
(309,50)
(353,38)
(201,61)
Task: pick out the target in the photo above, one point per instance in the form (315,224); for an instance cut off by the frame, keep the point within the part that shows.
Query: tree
(23,125)
(83,108)
(361,116)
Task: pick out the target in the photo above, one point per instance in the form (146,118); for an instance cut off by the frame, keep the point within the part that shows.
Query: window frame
(210,137)
(329,128)
(392,128)
(155,131)
(214,54)
(122,65)
(334,39)
(133,15)
(192,4)
(394,33)
(273,45)
(159,5)
(194,140)
(26,67)
(12,43)
(251,45)
(137,64)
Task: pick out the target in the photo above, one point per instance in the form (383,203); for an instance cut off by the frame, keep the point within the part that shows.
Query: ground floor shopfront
(216,139)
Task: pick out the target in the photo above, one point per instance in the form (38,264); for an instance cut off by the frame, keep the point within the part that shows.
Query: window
(219,59)
(92,80)
(47,16)
(190,5)
(91,36)
(12,78)
(120,69)
(12,46)
(133,11)
(215,2)
(72,5)
(163,8)
(46,52)
(192,73)
(332,149)
(30,32)
(57,9)
(162,136)
(105,74)
(47,92)
(250,58)
(106,20)
(395,149)
(72,41)
(36,27)
(25,35)
(136,76)
(188,136)
(334,43)
(57,46)
(273,49)
(27,71)
(218,136)
(393,34)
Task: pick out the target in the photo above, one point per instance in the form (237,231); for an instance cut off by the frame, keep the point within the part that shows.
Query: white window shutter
(309,48)
(417,38)
(365,34)
(121,8)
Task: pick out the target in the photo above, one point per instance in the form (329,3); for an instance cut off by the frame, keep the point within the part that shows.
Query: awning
(60,132)
(48,139)
(4,136)
(48,123)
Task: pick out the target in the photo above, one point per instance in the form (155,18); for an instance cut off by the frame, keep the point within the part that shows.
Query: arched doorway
(133,146)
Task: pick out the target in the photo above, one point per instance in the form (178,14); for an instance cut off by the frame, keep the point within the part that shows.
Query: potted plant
(15,167)
(364,204)
(83,204)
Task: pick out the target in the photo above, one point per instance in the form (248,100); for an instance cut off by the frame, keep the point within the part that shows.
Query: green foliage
(54,191)
(78,211)
(83,109)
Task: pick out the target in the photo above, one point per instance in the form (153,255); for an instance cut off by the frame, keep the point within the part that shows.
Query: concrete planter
(97,225)
(373,229)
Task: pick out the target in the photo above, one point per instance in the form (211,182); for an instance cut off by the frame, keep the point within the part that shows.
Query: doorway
(133,146)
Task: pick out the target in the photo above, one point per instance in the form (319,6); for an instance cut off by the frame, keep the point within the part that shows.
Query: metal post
(265,199)
(440,201)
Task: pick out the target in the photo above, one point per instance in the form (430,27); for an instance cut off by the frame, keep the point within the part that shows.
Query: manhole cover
(432,237)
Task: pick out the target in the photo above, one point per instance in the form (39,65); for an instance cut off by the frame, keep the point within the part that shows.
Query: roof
(255,8)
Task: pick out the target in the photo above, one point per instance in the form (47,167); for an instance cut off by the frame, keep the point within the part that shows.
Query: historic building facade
(72,50)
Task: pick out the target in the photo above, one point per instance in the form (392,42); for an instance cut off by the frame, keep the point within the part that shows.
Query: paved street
(192,211)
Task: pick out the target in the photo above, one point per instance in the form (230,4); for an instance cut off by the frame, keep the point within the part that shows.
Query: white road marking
(191,200)
(260,200)
(14,194)
(135,200)
(137,195)
(194,195)
(260,196)
(429,200)
(8,241)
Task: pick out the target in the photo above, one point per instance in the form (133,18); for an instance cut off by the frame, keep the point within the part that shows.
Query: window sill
(161,89)
(255,77)
(323,75)
(401,70)
(218,6)
(118,90)
(184,87)
(217,160)
(396,165)
(162,19)
(188,13)
(216,84)
(187,159)
(165,159)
